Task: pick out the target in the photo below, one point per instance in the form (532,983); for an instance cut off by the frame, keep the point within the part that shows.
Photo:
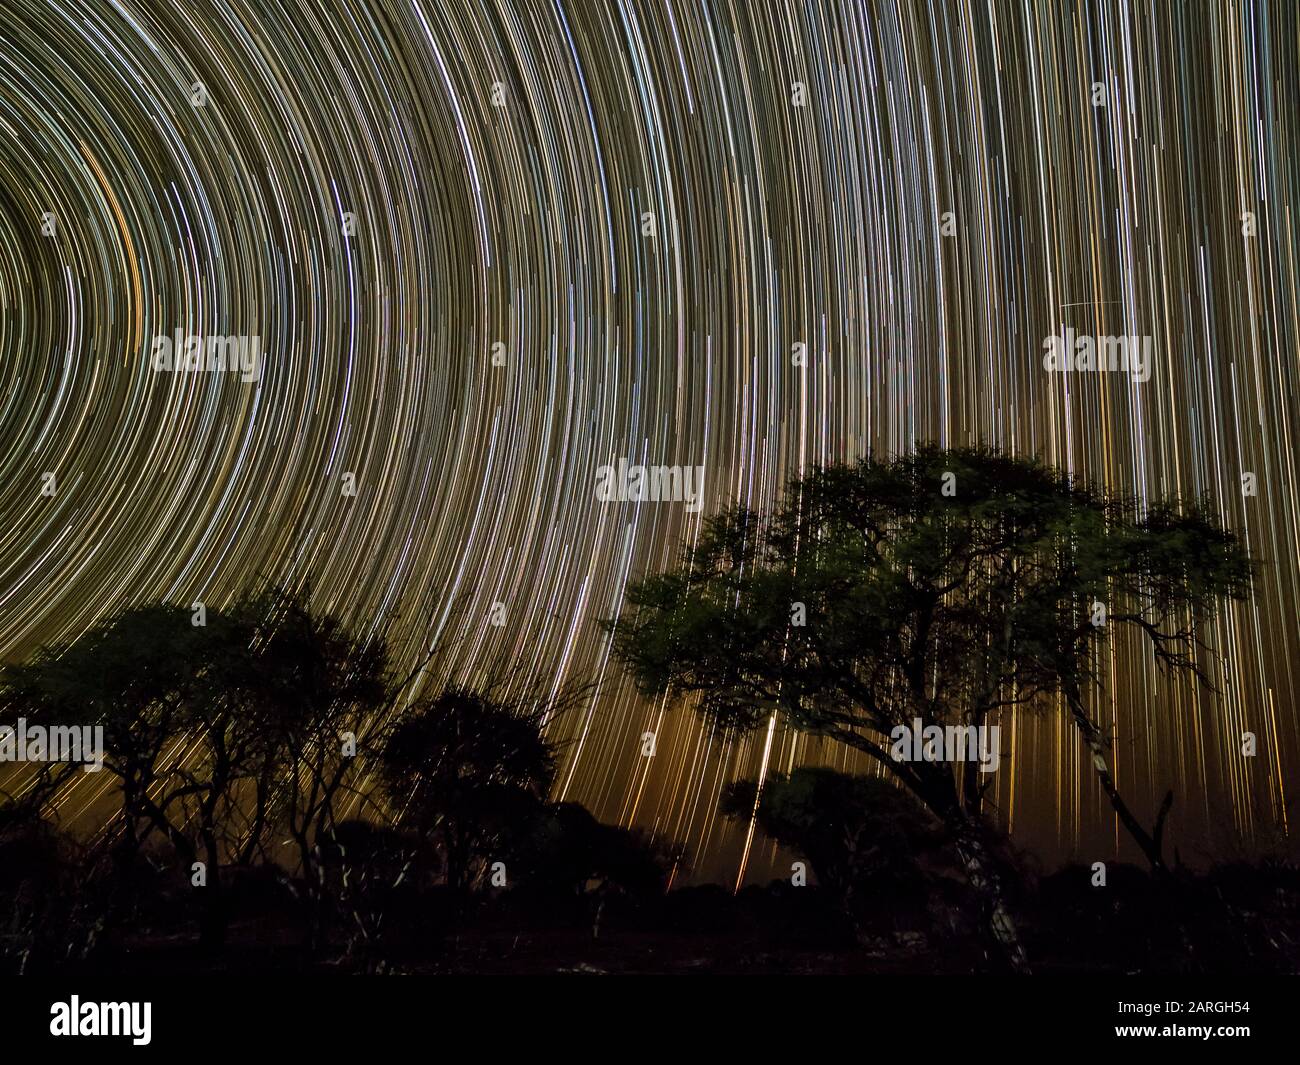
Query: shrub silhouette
(862,836)
(468,775)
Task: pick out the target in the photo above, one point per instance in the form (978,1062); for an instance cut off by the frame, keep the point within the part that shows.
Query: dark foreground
(1237,920)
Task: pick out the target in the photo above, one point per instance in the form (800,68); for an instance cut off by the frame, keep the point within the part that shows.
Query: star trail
(489,248)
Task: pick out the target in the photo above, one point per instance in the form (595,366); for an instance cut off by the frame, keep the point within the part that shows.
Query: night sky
(487,248)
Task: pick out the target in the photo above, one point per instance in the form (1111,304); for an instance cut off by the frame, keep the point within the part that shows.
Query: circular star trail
(487,248)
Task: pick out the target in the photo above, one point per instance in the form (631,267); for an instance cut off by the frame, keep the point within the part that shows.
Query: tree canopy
(944,586)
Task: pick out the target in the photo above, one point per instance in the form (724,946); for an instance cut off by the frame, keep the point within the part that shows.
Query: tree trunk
(1148,842)
(984,881)
(937,791)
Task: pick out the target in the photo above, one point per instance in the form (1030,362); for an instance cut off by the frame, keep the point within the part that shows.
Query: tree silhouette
(176,731)
(317,693)
(216,732)
(468,772)
(945,586)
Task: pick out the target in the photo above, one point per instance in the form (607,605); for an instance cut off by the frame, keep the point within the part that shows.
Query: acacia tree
(945,586)
(177,734)
(218,732)
(318,691)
